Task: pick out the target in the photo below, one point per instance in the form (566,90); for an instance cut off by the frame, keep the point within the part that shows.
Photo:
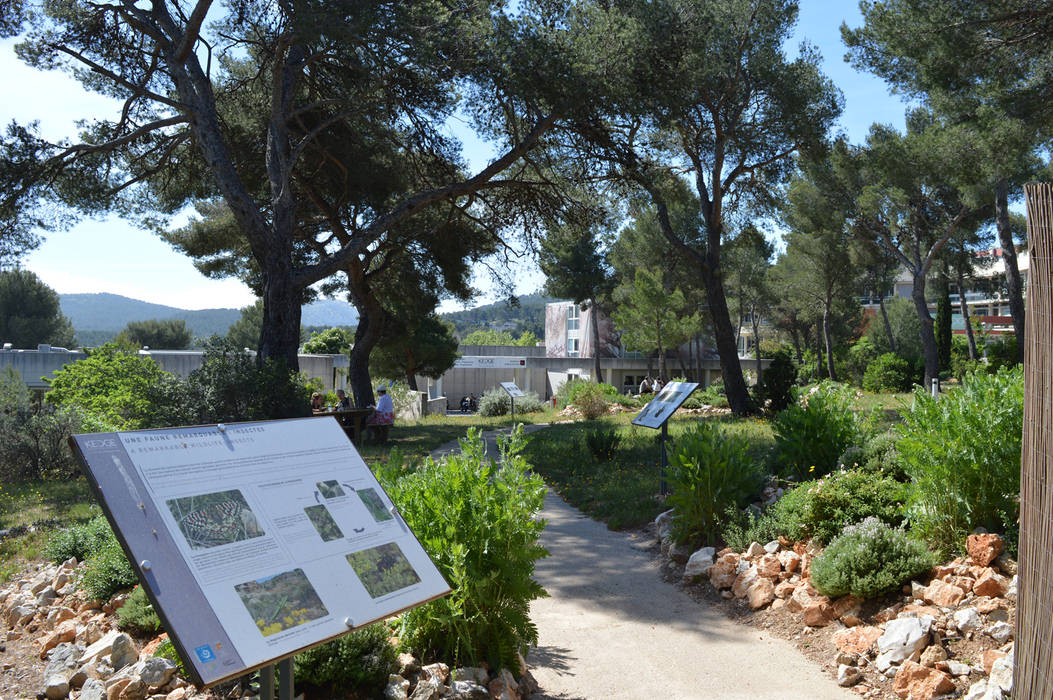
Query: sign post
(656,415)
(513,392)
(256,541)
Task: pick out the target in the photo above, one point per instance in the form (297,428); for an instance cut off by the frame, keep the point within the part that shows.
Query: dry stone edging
(905,643)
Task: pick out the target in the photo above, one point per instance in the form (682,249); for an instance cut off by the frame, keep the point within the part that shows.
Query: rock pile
(87,658)
(910,642)
(435,681)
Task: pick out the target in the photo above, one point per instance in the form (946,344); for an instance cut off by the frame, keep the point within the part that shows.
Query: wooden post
(1033,668)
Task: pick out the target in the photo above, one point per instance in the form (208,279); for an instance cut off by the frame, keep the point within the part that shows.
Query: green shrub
(592,399)
(602,443)
(80,541)
(813,433)
(107,571)
(567,394)
(877,456)
(962,454)
(1002,353)
(708,472)
(529,403)
(820,508)
(168,651)
(137,615)
(888,372)
(779,380)
(477,519)
(359,661)
(869,559)
(494,403)
(743,527)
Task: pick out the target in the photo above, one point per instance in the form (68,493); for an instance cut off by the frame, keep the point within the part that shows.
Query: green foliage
(168,651)
(602,443)
(811,434)
(107,571)
(157,335)
(359,661)
(819,509)
(1002,353)
(477,519)
(877,456)
(492,337)
(497,402)
(114,382)
(906,329)
(654,318)
(779,380)
(332,341)
(424,346)
(245,332)
(137,615)
(33,439)
(592,399)
(30,313)
(80,541)
(869,559)
(962,453)
(709,471)
(743,527)
(888,372)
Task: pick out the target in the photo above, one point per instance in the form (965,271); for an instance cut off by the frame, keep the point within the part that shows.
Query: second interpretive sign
(257,540)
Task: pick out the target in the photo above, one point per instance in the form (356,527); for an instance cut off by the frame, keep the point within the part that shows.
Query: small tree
(651,317)
(427,349)
(167,335)
(30,312)
(245,332)
(331,341)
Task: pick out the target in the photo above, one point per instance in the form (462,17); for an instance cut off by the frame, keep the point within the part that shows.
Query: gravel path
(612,628)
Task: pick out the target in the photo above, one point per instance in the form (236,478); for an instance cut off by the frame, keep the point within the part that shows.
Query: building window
(573,317)
(572,347)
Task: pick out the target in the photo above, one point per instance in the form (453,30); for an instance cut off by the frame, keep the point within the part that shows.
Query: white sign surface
(267,538)
(489,362)
(661,407)
(514,391)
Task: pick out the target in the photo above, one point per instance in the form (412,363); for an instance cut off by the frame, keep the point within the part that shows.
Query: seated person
(344,400)
(384,413)
(317,402)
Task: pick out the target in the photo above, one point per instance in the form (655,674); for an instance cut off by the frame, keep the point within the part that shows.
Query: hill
(527,315)
(99,317)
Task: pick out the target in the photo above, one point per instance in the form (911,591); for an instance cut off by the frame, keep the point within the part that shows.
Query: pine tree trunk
(888,326)
(928,334)
(727,343)
(411,370)
(1012,270)
(595,315)
(828,342)
(280,330)
(756,347)
(943,319)
(963,306)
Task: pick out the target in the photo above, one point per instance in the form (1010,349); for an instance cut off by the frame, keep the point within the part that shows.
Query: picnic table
(352,419)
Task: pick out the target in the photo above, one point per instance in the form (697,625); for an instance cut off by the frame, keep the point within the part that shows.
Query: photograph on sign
(512,390)
(661,407)
(260,539)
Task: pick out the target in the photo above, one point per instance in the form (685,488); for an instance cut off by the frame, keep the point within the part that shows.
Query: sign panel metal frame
(512,390)
(256,541)
(659,409)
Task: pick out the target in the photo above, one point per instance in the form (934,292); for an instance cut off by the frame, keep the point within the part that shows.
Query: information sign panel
(514,391)
(489,362)
(658,410)
(255,541)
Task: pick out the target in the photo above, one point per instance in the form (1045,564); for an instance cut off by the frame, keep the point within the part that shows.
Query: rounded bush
(869,559)
(889,372)
(361,660)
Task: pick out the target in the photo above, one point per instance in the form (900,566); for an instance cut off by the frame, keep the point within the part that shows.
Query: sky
(112,255)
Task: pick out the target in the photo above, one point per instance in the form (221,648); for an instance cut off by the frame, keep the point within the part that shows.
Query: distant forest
(527,315)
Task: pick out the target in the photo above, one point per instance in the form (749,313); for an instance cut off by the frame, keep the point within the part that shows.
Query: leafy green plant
(813,433)
(708,472)
(33,442)
(496,402)
(359,661)
(743,527)
(602,443)
(592,399)
(107,572)
(80,541)
(876,456)
(477,519)
(888,372)
(168,651)
(778,382)
(137,615)
(868,559)
(962,454)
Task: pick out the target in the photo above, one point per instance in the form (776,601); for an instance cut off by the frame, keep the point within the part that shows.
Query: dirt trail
(612,628)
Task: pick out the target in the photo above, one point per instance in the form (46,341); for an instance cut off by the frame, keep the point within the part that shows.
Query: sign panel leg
(286,688)
(267,683)
(665,458)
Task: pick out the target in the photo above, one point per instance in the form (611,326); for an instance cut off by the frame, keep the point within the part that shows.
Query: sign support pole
(267,683)
(286,688)
(512,399)
(665,458)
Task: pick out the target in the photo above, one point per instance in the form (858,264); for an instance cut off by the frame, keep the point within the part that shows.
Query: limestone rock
(438,672)
(504,687)
(64,661)
(680,553)
(785,589)
(724,571)
(99,648)
(848,676)
(663,522)
(760,593)
(984,549)
(468,690)
(1006,564)
(699,563)
(769,566)
(472,673)
(920,683)
(988,658)
(408,664)
(135,689)
(1002,674)
(155,671)
(967,620)
(397,687)
(933,655)
(990,584)
(426,690)
(743,582)
(982,690)
(93,689)
(904,636)
(64,633)
(790,560)
(856,640)
(1001,632)
(942,594)
(755,550)
(123,652)
(772,547)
